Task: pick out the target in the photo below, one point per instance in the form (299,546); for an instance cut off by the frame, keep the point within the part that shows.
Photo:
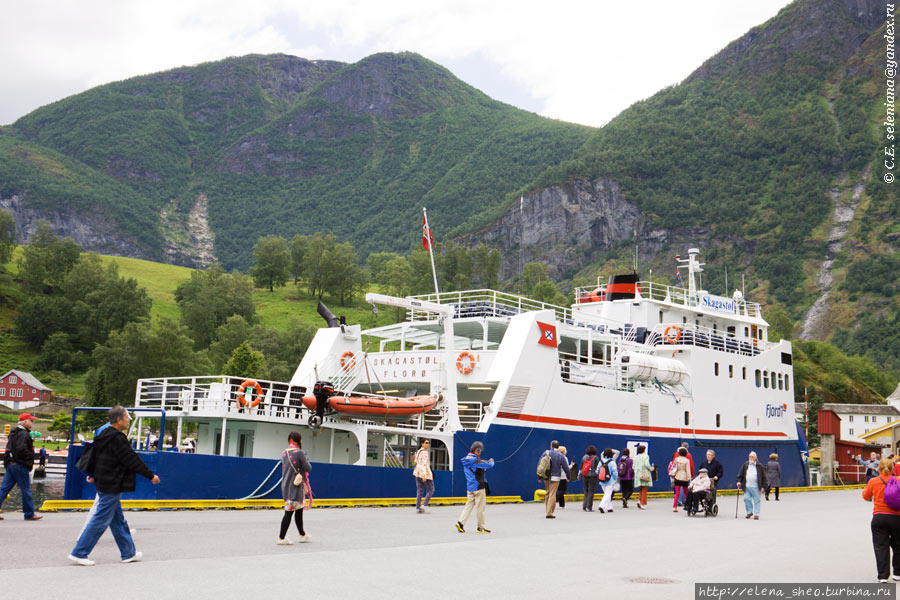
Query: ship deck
(380,553)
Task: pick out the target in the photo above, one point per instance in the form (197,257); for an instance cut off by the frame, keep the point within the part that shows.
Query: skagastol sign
(719,303)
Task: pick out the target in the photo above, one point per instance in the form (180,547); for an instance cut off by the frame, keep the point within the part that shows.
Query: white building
(859,419)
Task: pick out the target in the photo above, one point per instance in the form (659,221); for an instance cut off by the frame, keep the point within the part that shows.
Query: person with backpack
(559,464)
(476,487)
(626,476)
(588,473)
(543,467)
(773,476)
(111,466)
(681,473)
(883,491)
(18,460)
(752,479)
(608,476)
(643,475)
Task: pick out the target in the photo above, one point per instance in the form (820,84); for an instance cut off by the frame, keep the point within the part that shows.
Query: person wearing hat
(699,485)
(18,461)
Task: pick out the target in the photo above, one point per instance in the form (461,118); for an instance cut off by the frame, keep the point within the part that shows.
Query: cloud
(577,61)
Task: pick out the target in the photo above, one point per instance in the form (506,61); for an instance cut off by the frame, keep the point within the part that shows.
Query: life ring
(255,398)
(465,367)
(672,339)
(348,360)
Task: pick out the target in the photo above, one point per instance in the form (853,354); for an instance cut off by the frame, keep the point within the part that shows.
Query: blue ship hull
(516,451)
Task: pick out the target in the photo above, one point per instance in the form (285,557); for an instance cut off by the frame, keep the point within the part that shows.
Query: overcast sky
(580,61)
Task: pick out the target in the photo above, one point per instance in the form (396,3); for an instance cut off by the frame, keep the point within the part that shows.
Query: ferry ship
(630,362)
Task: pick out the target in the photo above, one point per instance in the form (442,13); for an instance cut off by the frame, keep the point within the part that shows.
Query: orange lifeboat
(386,408)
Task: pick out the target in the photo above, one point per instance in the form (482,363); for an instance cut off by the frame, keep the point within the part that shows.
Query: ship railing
(667,293)
(585,370)
(689,334)
(486,303)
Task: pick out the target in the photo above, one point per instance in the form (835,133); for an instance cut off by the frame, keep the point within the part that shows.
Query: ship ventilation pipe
(327,315)
(643,367)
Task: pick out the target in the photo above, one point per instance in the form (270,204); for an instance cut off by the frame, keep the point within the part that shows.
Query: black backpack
(86,461)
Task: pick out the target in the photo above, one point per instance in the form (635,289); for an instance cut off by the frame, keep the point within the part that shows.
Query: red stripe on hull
(623,426)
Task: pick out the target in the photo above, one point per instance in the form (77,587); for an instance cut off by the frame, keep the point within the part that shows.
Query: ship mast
(694,266)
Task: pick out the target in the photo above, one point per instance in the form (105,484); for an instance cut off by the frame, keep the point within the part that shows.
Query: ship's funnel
(327,315)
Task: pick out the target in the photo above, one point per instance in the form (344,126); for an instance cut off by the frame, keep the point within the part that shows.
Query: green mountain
(281,145)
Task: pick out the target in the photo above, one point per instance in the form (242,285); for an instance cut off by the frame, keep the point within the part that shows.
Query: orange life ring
(671,339)
(348,360)
(462,367)
(255,398)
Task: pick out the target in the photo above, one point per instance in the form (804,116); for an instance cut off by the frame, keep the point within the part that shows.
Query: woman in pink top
(422,473)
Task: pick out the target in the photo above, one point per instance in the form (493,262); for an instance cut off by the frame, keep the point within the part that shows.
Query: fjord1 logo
(775,411)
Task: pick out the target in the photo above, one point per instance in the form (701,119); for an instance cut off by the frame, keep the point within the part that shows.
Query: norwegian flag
(427,238)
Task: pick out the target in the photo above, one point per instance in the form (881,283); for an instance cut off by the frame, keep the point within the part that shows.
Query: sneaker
(608,510)
(84,562)
(551,516)
(460,528)
(34,518)
(135,558)
(756,517)
(303,538)
(483,530)
(284,542)
(601,510)
(420,510)
(748,515)
(882,581)
(896,577)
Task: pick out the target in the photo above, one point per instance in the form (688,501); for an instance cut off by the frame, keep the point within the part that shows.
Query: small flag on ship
(427,238)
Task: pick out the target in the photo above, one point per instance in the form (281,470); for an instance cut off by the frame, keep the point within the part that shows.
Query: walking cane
(737,498)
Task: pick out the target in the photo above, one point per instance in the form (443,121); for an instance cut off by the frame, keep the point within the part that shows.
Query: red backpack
(587,466)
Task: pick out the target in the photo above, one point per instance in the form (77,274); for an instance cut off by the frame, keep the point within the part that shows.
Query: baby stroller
(706,504)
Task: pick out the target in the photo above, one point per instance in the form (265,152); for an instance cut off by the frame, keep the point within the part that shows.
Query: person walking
(643,475)
(588,473)
(773,475)
(684,445)
(112,468)
(752,479)
(424,476)
(563,480)
(295,470)
(476,487)
(18,460)
(885,523)
(682,477)
(559,464)
(626,476)
(608,466)
(714,470)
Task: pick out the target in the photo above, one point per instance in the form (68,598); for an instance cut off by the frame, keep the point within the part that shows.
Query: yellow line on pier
(540,494)
(207,504)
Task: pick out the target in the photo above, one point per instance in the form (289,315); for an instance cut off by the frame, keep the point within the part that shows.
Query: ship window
(684,320)
(731,331)
(745,421)
(758,378)
(660,316)
(787,382)
(746,332)
(780,382)
(730,371)
(718,420)
(716,368)
(696,322)
(766,379)
(687,417)
(744,372)
(715,327)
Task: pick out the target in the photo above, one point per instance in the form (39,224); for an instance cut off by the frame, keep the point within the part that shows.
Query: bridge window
(758,378)
(687,418)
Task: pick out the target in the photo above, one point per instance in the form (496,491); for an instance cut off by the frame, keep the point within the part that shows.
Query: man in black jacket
(112,468)
(18,460)
(714,469)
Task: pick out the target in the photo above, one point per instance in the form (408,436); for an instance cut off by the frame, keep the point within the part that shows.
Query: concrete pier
(395,553)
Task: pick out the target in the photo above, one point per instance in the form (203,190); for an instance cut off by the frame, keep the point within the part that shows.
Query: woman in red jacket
(885,523)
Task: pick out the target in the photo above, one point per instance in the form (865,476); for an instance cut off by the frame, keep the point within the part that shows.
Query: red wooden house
(20,390)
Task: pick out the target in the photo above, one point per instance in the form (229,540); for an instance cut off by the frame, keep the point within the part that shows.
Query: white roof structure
(28,379)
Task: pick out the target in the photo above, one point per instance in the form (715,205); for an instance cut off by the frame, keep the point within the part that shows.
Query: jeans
(108,513)
(16,474)
(751,500)
(590,486)
(426,486)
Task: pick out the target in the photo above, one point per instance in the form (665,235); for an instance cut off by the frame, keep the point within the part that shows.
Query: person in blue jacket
(476,487)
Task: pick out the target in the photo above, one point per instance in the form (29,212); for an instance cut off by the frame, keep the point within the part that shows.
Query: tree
(532,274)
(7,236)
(781,326)
(57,354)
(546,291)
(314,263)
(234,331)
(142,350)
(456,269)
(487,266)
(343,275)
(273,262)
(61,424)
(298,251)
(245,362)
(209,297)
(46,260)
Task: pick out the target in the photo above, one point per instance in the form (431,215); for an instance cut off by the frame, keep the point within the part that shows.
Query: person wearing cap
(699,485)
(18,461)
